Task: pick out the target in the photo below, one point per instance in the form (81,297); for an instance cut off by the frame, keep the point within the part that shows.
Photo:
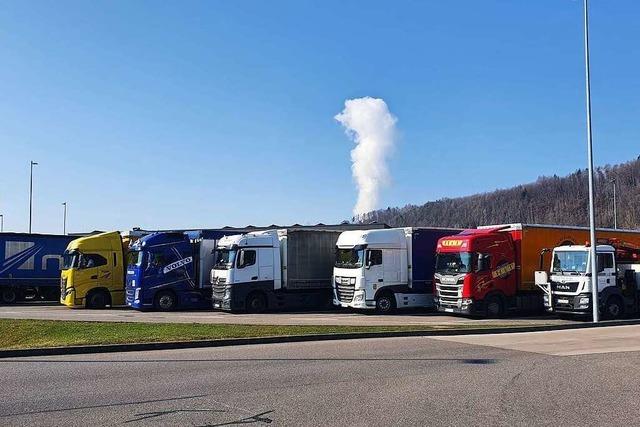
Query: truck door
(246,266)
(93,272)
(374,270)
(606,271)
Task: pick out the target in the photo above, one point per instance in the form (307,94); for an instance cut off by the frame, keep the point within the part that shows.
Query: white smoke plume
(368,122)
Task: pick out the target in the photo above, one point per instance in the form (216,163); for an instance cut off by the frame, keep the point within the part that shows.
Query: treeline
(549,200)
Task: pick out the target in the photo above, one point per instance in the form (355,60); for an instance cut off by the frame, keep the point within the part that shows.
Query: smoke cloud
(368,122)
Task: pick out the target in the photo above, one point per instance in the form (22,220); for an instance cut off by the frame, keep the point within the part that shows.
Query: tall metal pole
(592,210)
(1,223)
(64,219)
(31,195)
(615,204)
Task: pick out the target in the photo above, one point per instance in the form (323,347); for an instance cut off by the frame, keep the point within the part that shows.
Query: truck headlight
(136,294)
(358,297)
(584,300)
(227,294)
(545,298)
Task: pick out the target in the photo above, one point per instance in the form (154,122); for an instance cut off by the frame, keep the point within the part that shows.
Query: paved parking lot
(57,312)
(575,377)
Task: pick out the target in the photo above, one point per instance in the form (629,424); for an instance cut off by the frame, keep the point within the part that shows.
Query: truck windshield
(349,258)
(135,258)
(71,259)
(570,261)
(224,259)
(454,263)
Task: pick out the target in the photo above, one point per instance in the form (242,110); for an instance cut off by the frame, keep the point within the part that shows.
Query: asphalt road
(465,380)
(337,317)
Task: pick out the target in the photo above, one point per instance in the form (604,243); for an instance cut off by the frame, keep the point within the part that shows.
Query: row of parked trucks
(486,271)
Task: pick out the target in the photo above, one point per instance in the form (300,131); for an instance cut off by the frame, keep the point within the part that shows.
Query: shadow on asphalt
(274,359)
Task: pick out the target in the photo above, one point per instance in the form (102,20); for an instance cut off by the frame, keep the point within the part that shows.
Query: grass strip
(25,333)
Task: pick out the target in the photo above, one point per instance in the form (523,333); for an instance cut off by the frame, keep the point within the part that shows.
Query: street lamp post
(64,219)
(31,194)
(1,223)
(592,211)
(615,204)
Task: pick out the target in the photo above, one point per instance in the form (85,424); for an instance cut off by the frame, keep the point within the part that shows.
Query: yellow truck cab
(93,271)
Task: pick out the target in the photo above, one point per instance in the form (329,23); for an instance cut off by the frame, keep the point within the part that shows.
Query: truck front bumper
(68,298)
(464,306)
(358,301)
(579,305)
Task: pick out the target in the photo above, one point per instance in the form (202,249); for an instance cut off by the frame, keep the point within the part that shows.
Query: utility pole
(31,194)
(1,223)
(592,211)
(615,204)
(64,219)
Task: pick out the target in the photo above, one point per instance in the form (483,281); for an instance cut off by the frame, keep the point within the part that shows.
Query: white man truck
(386,269)
(567,287)
(274,270)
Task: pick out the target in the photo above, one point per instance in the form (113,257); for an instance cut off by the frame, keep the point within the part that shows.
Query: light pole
(31,194)
(64,219)
(615,205)
(1,223)
(592,210)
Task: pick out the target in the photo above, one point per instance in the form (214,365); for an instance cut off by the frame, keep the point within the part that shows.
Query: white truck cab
(385,269)
(568,289)
(275,270)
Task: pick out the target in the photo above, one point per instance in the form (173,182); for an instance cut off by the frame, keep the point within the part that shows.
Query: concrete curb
(113,348)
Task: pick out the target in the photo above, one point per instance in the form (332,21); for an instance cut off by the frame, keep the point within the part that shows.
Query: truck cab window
(246,258)
(157,260)
(92,260)
(604,261)
(483,262)
(374,257)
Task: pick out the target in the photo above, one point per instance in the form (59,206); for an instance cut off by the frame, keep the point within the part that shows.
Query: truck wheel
(494,307)
(614,308)
(165,301)
(9,296)
(385,303)
(98,299)
(256,303)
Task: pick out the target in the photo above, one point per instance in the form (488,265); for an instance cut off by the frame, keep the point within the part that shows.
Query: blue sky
(202,114)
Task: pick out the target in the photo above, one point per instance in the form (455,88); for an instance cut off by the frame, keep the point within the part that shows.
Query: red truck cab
(475,272)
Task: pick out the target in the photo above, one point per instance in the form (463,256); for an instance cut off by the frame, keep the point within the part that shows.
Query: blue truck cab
(170,270)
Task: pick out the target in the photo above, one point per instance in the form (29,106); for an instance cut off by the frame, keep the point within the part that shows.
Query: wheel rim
(493,308)
(384,304)
(8,296)
(256,304)
(165,302)
(614,309)
(97,300)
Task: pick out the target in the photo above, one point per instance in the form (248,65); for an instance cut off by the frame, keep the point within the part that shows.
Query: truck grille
(448,295)
(218,287)
(565,287)
(344,290)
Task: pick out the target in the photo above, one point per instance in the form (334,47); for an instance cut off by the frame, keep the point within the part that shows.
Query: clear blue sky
(202,114)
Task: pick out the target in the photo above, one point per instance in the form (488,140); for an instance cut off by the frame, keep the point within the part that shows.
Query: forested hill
(549,200)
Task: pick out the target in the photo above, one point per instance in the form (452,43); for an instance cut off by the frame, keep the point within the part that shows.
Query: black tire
(385,303)
(256,303)
(98,299)
(8,296)
(613,308)
(494,307)
(165,301)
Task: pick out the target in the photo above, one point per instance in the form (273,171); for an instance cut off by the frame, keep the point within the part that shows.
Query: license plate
(563,301)
(449,310)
